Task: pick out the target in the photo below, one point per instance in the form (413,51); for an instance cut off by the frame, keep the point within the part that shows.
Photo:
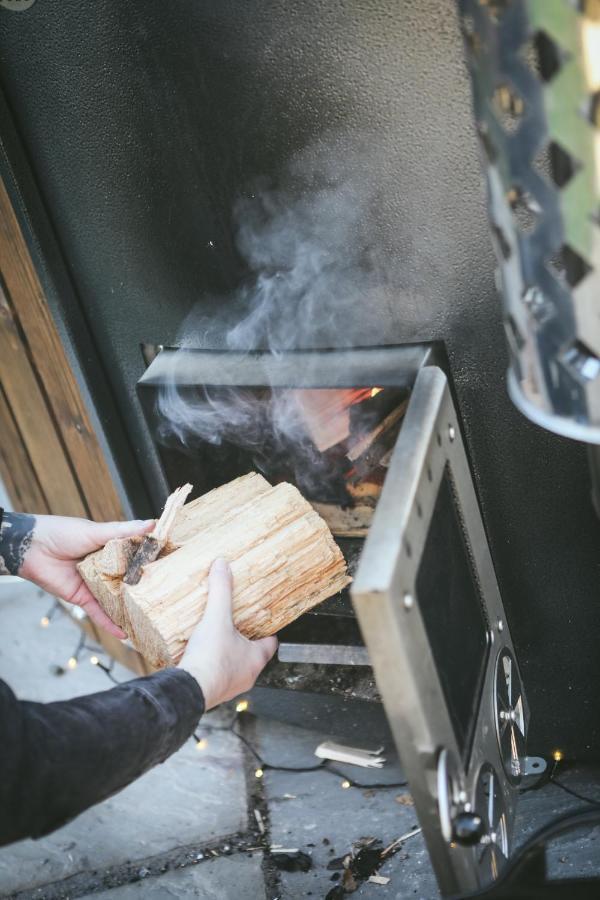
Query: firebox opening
(325,421)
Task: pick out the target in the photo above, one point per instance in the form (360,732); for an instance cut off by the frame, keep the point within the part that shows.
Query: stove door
(432,618)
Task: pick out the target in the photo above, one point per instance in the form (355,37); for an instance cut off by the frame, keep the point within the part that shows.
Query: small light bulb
(94,660)
(44,621)
(201,744)
(346,784)
(558,755)
(242,706)
(72,663)
(259,773)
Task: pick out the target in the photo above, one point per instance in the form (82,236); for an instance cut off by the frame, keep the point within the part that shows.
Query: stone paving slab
(322,819)
(192,798)
(228,878)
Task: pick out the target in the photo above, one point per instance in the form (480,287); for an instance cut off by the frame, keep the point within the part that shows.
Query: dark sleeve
(56,759)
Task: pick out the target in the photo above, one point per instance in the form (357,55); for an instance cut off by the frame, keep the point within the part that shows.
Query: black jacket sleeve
(56,759)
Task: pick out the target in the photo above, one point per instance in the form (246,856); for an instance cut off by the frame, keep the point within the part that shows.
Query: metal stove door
(432,618)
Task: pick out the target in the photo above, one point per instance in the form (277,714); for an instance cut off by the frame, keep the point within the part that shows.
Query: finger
(102,532)
(220,590)
(86,600)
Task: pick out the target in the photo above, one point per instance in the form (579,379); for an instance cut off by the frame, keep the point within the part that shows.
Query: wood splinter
(153,543)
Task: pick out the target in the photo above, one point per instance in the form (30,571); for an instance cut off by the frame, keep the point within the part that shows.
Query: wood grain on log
(282,555)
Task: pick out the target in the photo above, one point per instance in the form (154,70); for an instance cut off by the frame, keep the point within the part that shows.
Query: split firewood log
(282,555)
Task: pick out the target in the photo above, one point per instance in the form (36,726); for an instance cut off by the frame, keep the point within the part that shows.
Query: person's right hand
(223,662)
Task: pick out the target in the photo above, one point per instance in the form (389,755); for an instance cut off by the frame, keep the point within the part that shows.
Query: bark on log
(283,558)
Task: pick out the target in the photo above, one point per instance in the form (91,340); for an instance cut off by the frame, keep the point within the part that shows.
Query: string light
(201,744)
(259,773)
(346,784)
(94,660)
(242,706)
(72,663)
(558,756)
(44,621)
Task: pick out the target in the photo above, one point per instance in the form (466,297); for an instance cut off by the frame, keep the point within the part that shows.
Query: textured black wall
(142,121)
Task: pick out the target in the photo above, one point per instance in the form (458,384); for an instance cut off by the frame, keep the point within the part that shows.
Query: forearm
(57,759)
(16,534)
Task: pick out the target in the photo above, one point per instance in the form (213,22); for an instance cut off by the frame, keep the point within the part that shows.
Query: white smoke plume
(310,243)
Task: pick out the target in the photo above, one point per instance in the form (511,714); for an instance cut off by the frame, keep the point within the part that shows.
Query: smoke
(310,244)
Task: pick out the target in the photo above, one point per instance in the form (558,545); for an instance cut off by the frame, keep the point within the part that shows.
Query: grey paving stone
(317,808)
(190,799)
(29,653)
(289,745)
(228,878)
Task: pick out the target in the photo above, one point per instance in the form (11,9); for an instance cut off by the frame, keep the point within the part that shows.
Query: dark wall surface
(143,123)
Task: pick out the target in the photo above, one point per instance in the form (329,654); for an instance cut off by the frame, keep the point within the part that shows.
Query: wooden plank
(16,469)
(30,411)
(51,362)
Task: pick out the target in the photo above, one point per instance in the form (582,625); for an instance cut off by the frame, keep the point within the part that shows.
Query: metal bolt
(409,601)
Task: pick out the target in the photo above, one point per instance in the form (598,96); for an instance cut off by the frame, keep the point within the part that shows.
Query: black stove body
(131,130)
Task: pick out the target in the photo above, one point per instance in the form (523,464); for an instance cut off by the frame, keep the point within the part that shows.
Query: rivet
(451,432)
(409,601)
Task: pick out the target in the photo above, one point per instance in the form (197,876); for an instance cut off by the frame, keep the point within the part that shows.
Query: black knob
(467,829)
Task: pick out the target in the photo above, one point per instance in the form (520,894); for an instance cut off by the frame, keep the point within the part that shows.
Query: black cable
(574,793)
(324,765)
(549,778)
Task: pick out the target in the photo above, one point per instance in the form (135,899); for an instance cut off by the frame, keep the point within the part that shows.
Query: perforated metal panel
(535,67)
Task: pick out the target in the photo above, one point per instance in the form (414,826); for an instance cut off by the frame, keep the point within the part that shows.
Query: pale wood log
(210,508)
(350,522)
(326,413)
(107,589)
(283,558)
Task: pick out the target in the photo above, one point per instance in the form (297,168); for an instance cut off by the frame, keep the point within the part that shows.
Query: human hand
(223,661)
(46,550)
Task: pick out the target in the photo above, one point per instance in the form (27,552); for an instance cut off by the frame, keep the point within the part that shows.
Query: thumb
(220,591)
(267,646)
(101,532)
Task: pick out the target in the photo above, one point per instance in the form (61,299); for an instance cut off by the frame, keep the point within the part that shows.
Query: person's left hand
(57,545)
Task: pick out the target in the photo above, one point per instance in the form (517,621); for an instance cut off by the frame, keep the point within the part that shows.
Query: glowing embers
(355,431)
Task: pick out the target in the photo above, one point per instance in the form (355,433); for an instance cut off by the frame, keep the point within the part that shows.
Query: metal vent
(535,70)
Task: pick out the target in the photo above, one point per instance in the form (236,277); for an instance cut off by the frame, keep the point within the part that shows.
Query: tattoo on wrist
(16,533)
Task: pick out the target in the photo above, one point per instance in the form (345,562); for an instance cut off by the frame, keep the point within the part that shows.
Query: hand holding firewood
(282,555)
(223,662)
